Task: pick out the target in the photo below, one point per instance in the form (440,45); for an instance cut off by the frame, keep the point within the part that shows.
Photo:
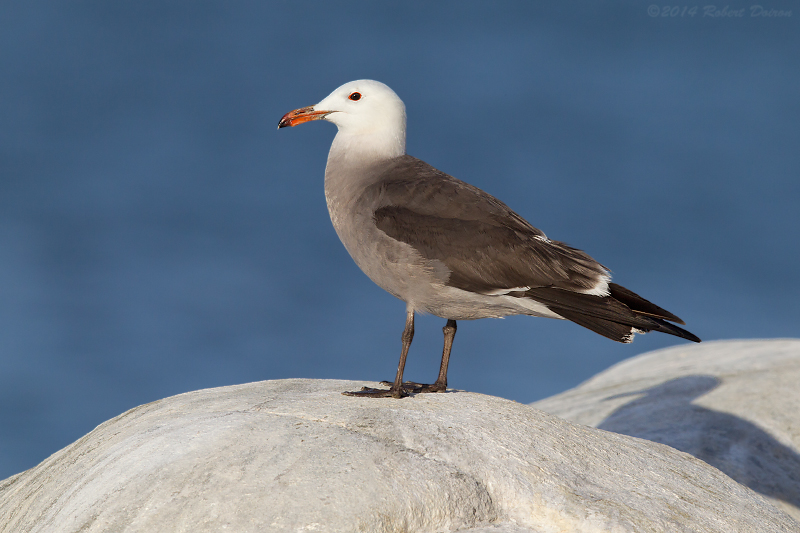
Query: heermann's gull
(447,248)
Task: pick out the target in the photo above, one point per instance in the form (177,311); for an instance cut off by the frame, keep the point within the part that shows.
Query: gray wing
(486,245)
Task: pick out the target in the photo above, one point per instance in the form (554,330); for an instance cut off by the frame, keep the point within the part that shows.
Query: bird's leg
(408,336)
(397,390)
(449,334)
(441,382)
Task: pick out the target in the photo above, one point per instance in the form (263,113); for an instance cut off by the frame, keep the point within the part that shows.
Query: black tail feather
(607,328)
(637,304)
(615,316)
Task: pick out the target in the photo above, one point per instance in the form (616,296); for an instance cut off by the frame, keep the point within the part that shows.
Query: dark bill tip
(286,120)
(299,116)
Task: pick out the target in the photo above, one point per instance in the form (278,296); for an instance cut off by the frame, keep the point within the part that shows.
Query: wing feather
(485,244)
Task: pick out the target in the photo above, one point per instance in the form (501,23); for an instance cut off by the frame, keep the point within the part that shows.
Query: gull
(447,248)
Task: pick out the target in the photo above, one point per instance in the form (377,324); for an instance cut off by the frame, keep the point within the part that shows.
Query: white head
(371,119)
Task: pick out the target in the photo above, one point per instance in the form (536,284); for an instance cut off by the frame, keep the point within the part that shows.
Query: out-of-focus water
(158,235)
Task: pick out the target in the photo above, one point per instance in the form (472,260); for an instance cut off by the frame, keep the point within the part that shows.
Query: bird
(447,248)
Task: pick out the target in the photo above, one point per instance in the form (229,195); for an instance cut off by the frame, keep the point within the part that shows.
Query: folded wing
(489,249)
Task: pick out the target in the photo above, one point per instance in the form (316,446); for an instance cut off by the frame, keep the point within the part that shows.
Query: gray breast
(397,267)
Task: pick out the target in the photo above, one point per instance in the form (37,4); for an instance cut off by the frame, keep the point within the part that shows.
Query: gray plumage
(485,245)
(448,248)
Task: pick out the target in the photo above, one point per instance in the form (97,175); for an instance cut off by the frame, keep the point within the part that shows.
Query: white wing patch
(629,337)
(500,292)
(600,288)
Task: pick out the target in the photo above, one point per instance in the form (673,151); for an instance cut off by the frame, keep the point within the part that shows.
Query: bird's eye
(355,96)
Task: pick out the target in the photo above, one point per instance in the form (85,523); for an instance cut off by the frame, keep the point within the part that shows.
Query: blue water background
(158,235)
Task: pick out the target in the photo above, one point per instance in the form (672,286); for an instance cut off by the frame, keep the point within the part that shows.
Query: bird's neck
(357,148)
(352,155)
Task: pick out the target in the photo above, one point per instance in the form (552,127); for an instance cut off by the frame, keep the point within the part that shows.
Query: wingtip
(679,332)
(641,306)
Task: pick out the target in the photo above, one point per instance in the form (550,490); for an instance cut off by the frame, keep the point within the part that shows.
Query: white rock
(733,404)
(296,455)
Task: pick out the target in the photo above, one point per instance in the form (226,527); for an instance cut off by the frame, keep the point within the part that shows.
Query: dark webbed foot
(412,387)
(367,392)
(400,388)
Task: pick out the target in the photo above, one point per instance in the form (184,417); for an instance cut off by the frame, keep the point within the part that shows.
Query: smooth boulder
(733,404)
(296,455)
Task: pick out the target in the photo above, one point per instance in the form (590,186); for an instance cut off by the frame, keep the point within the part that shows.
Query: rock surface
(296,455)
(733,404)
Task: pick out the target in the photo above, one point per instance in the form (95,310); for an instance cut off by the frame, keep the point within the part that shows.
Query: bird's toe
(367,392)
